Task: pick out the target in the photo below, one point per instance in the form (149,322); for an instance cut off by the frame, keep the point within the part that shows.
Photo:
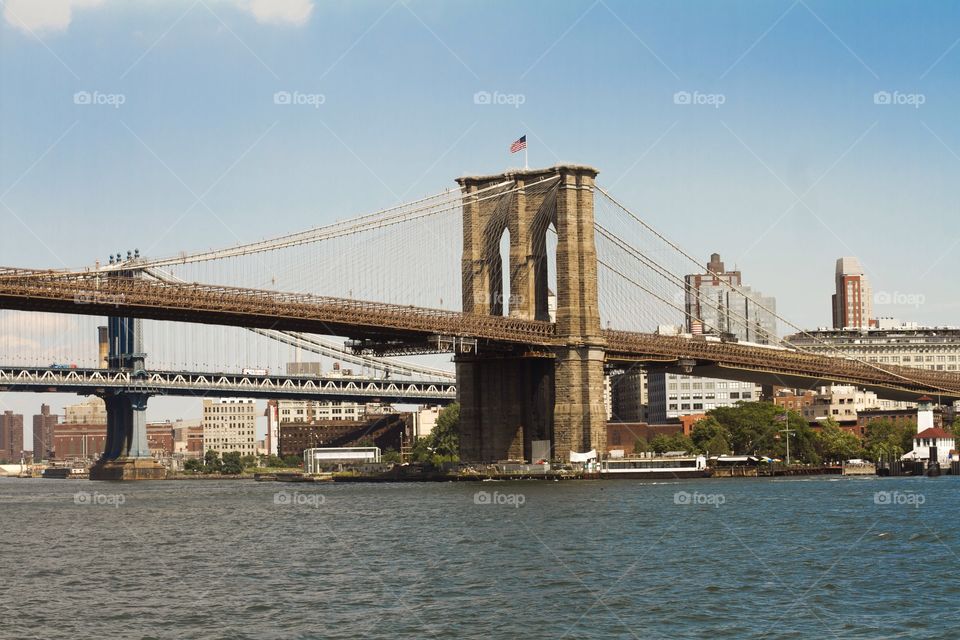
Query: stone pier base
(128,469)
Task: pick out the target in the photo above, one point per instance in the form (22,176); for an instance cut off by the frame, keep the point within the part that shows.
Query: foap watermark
(515,500)
(898,98)
(98,98)
(915,300)
(697,498)
(97,499)
(297,499)
(95,297)
(715,100)
(297,98)
(899,498)
(513,300)
(497,98)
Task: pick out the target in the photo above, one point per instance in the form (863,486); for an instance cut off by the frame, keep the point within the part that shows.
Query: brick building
(87,441)
(11,436)
(78,441)
(624,435)
(385,431)
(43,426)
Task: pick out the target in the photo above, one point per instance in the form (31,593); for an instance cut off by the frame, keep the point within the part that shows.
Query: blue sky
(798,165)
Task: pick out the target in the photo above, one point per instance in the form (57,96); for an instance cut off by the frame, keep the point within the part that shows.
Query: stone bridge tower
(509,399)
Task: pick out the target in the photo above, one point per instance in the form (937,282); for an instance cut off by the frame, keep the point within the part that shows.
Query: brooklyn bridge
(558,285)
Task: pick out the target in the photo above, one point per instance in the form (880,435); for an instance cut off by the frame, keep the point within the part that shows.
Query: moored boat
(655,468)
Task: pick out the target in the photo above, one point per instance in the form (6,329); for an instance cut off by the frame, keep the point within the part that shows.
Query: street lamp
(787,430)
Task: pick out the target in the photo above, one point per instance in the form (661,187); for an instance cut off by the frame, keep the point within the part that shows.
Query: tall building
(11,436)
(629,397)
(230,424)
(853,300)
(718,302)
(43,427)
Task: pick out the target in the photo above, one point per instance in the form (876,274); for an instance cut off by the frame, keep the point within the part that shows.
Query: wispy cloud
(55,16)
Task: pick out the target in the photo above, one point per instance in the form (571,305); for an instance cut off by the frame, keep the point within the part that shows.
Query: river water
(734,558)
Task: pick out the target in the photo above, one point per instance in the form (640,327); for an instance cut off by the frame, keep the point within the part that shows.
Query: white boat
(655,467)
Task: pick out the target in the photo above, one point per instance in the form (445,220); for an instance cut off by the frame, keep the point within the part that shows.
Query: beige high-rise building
(230,424)
(91,411)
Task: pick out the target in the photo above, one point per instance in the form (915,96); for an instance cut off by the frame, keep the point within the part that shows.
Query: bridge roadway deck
(197,384)
(90,293)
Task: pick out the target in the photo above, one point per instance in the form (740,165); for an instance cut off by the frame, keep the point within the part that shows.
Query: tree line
(761,429)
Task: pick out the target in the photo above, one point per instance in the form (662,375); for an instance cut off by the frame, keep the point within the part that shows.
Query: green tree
(249,460)
(660,444)
(837,444)
(212,462)
(292,461)
(641,445)
(390,456)
(754,428)
(680,442)
(709,436)
(889,439)
(271,460)
(192,464)
(443,443)
(232,463)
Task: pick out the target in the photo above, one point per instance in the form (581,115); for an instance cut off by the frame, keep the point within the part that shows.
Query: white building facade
(839,402)
(673,395)
(230,424)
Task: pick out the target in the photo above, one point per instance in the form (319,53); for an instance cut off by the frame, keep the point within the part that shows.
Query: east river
(819,557)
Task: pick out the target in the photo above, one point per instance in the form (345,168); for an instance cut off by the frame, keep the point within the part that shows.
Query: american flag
(519,145)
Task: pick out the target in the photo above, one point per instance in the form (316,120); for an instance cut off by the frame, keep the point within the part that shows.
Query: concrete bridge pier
(507,401)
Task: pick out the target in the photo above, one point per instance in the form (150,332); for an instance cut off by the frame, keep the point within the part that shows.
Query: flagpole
(526,165)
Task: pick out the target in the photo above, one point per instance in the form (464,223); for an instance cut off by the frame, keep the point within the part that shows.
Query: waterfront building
(424,420)
(672,395)
(387,431)
(896,416)
(842,403)
(74,441)
(293,411)
(624,435)
(230,424)
(11,436)
(929,436)
(43,425)
(853,301)
(794,399)
(188,438)
(717,302)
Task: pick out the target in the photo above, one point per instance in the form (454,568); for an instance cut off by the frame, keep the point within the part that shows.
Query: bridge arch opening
(502,275)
